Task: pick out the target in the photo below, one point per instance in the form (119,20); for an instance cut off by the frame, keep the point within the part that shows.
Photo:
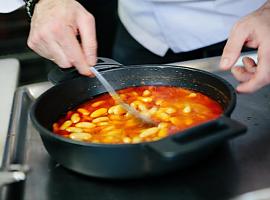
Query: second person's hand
(252,31)
(55,26)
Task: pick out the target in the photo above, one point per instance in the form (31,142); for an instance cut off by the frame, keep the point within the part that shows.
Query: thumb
(233,47)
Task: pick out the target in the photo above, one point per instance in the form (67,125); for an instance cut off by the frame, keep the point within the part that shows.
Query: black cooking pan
(133,160)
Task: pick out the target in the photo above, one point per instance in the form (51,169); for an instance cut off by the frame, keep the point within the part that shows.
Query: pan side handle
(198,138)
(59,75)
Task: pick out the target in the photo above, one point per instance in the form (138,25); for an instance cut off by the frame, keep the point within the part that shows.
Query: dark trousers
(128,51)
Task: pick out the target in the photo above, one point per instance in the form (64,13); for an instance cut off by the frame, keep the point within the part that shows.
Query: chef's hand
(252,31)
(54,29)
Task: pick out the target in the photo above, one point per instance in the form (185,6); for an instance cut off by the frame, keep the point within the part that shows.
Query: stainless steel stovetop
(240,166)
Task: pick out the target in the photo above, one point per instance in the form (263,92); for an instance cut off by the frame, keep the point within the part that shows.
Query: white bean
(74,129)
(149,132)
(99,112)
(100,119)
(83,111)
(65,125)
(187,109)
(146,93)
(80,136)
(75,118)
(85,125)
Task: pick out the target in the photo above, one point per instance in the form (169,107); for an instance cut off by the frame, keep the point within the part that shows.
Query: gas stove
(239,166)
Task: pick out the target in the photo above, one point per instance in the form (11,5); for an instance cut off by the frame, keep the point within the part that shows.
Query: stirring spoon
(118,99)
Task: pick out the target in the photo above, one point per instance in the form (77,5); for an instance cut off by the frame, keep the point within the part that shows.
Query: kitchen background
(14,29)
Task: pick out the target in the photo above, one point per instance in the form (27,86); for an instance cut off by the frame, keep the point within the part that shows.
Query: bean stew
(101,120)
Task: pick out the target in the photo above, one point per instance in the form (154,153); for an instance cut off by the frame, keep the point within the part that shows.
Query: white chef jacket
(182,25)
(7,6)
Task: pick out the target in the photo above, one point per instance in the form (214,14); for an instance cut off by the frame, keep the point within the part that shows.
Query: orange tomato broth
(172,108)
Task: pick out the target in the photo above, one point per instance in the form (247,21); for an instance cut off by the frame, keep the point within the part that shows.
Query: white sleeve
(7,6)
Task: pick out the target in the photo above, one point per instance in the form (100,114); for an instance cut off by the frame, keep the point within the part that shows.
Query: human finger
(87,30)
(251,85)
(73,51)
(241,74)
(249,64)
(262,75)
(233,47)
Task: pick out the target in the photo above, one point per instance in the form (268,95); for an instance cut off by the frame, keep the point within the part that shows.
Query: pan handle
(59,75)
(197,138)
